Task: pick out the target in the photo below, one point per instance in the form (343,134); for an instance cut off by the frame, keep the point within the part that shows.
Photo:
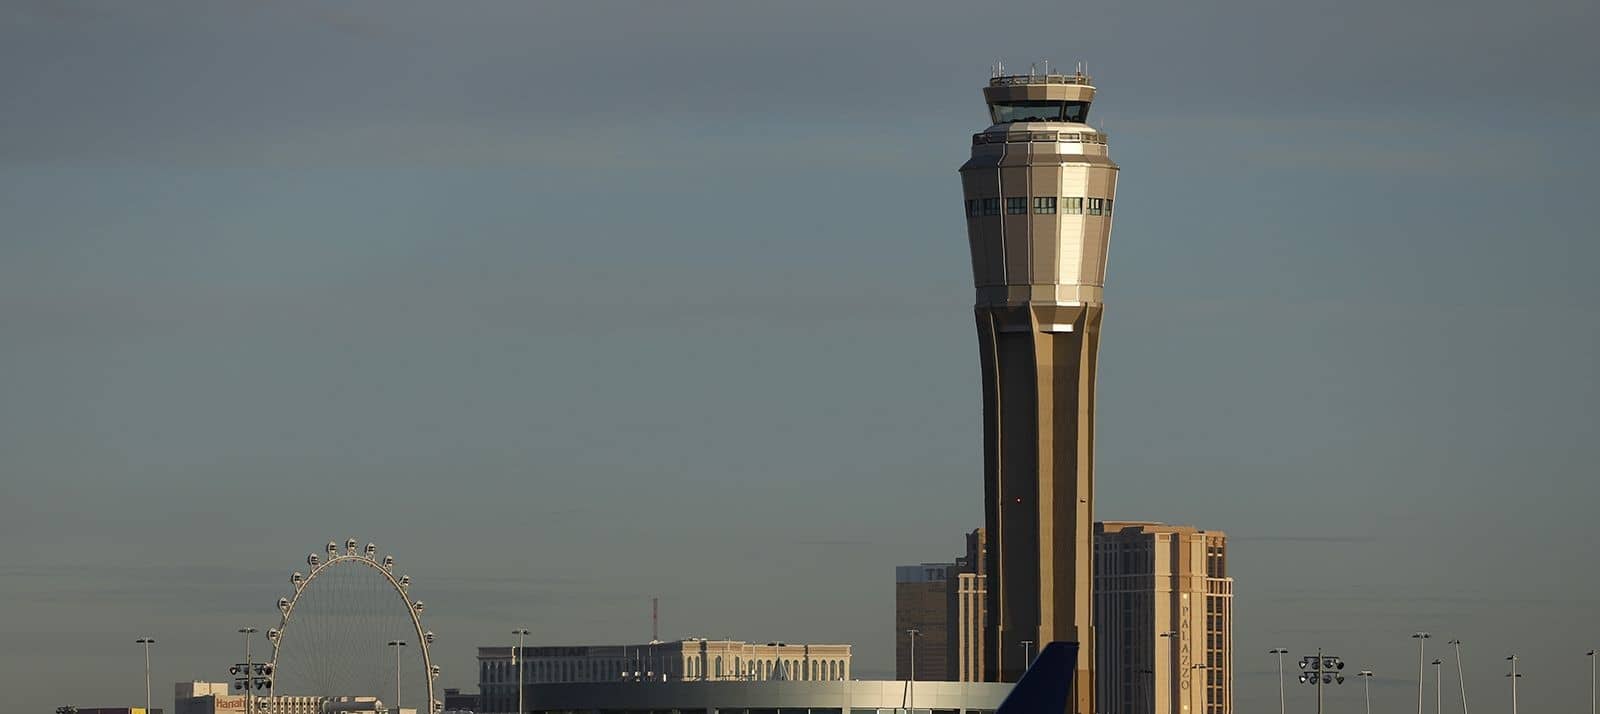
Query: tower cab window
(991,206)
(1038,110)
(1016,206)
(1044,204)
(1097,206)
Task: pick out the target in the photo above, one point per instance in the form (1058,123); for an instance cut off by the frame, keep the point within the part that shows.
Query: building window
(972,208)
(1016,206)
(1097,206)
(1044,204)
(1072,204)
(991,206)
(1108,206)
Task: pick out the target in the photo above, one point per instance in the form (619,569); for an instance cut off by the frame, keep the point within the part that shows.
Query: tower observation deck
(1040,190)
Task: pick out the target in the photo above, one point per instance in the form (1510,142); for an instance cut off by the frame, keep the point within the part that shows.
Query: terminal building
(708,677)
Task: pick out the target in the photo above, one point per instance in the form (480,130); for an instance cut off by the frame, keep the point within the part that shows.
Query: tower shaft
(1038,390)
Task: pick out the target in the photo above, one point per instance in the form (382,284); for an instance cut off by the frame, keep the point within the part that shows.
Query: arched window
(719,667)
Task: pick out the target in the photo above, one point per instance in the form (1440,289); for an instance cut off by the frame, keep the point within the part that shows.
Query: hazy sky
(570,305)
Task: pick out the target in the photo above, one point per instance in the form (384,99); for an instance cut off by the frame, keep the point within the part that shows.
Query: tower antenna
(655,619)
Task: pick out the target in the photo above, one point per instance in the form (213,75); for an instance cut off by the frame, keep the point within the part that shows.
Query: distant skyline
(499,288)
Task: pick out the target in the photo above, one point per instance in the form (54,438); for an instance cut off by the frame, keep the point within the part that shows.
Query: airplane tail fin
(1047,685)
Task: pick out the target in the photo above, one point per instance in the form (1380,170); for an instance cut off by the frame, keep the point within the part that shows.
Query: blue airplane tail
(1047,685)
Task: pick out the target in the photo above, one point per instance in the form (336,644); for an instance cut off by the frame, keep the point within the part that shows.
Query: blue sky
(569,305)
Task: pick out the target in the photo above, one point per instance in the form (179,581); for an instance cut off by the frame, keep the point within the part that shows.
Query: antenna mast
(655,619)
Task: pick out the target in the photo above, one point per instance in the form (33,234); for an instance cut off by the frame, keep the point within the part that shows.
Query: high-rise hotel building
(1164,615)
(1039,190)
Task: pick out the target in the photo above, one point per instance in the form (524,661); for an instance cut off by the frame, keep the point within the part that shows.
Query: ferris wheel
(357,632)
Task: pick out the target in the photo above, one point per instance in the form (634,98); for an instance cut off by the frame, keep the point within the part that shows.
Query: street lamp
(911,686)
(146,641)
(1456,643)
(1280,652)
(516,654)
(1422,644)
(1591,681)
(397,644)
(1366,677)
(1319,670)
(1513,659)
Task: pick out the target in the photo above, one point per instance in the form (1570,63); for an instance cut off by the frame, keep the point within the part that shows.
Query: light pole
(1513,659)
(146,641)
(1280,652)
(250,676)
(1456,643)
(516,661)
(1422,644)
(911,687)
(1319,670)
(1366,677)
(1027,648)
(1591,682)
(397,644)
(1172,662)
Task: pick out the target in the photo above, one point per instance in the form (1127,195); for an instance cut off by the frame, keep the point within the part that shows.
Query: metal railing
(1014,80)
(1027,136)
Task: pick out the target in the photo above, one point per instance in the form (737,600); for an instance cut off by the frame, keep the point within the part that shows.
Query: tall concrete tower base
(1038,394)
(1039,190)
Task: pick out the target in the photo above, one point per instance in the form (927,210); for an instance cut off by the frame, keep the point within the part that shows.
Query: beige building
(689,660)
(218,698)
(1164,615)
(1039,190)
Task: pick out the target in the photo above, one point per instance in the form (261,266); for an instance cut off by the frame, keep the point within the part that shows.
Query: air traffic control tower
(1039,194)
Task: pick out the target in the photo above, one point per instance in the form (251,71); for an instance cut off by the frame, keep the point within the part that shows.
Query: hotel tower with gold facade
(1039,192)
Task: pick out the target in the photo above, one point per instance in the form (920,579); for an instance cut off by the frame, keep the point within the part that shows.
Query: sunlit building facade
(1164,616)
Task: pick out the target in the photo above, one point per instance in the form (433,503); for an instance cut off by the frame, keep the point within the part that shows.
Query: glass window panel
(1039,110)
(991,206)
(1072,204)
(1044,204)
(1016,206)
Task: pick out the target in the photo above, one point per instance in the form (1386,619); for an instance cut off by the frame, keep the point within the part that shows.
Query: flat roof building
(725,697)
(688,660)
